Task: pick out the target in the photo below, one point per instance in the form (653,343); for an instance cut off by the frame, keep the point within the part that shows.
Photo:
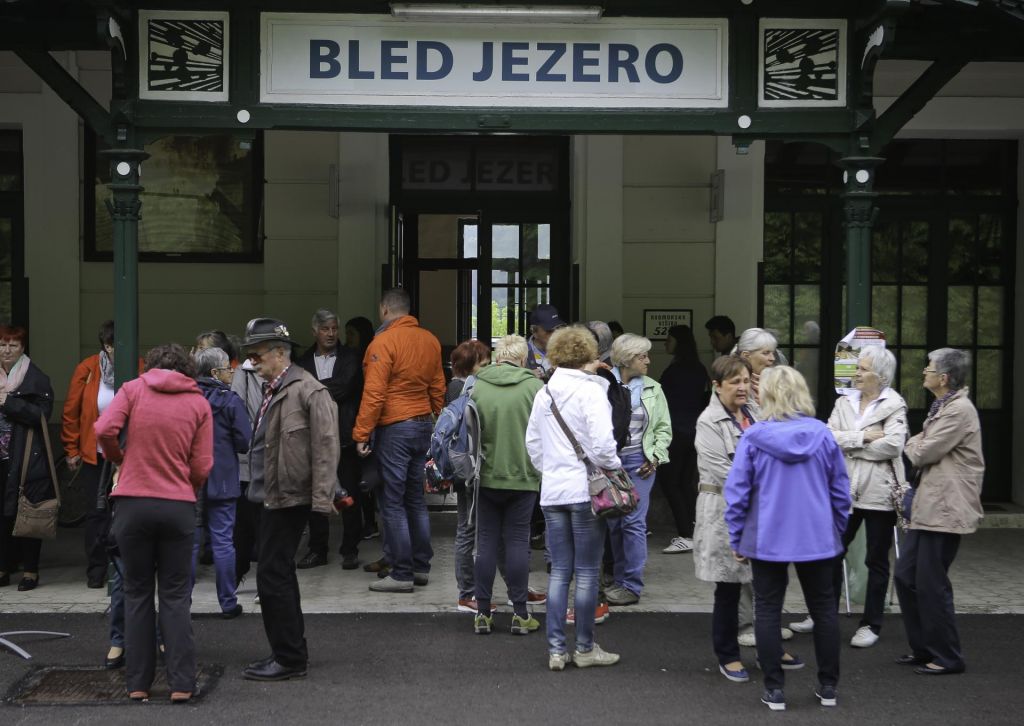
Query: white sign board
(657,323)
(377,60)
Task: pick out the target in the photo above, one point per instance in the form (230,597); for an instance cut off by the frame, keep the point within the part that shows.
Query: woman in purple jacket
(787,501)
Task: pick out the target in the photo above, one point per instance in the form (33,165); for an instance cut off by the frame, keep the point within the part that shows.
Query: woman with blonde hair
(787,501)
(575,536)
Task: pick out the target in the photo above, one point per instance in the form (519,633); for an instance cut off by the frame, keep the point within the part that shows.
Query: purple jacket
(787,496)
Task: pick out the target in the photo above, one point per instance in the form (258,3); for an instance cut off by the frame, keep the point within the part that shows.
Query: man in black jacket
(340,370)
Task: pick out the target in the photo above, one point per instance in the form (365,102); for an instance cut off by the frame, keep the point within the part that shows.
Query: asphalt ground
(431,669)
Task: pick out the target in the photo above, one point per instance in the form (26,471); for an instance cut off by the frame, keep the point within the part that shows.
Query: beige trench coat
(716,440)
(948,454)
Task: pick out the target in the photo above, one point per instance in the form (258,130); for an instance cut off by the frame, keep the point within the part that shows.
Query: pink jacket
(168,429)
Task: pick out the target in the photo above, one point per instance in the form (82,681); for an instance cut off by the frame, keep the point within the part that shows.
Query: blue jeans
(629,533)
(401,453)
(220,521)
(575,538)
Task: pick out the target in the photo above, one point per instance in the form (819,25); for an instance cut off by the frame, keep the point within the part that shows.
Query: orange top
(402,377)
(81,410)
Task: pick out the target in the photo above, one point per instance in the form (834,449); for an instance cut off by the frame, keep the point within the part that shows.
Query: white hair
(883,363)
(209,358)
(627,347)
(754,339)
(511,349)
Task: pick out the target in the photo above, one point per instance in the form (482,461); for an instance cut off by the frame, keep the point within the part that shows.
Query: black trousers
(155,538)
(247,533)
(95,521)
(277,585)
(503,516)
(678,482)
(770,581)
(17,549)
(351,517)
(926,596)
(725,629)
(878,536)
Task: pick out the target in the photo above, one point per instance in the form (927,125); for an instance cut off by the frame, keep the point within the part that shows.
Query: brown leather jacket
(301,435)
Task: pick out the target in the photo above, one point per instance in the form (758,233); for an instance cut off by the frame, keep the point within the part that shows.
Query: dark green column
(124,207)
(859,214)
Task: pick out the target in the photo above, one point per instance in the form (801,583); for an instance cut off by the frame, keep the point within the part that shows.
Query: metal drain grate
(88,685)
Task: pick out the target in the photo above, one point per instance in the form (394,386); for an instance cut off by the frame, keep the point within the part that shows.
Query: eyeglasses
(216,370)
(931,370)
(257,356)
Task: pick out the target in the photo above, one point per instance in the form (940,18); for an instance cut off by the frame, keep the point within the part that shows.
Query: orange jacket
(403,377)
(81,411)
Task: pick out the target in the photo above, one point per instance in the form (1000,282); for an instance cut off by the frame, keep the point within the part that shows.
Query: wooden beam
(69,90)
(914,99)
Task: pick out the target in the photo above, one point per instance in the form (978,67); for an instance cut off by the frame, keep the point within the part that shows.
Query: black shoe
(112,664)
(350,562)
(232,613)
(911,659)
(5,580)
(274,671)
(925,670)
(312,559)
(28,583)
(95,583)
(261,663)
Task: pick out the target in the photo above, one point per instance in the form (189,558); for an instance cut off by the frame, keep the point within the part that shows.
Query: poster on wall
(657,323)
(802,63)
(848,351)
(183,55)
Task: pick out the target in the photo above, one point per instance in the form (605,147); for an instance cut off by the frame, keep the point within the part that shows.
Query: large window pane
(807,312)
(883,311)
(912,361)
(536,257)
(470,241)
(988,392)
(805,360)
(915,315)
(6,245)
(990,248)
(961,261)
(807,246)
(778,231)
(915,251)
(960,315)
(776,311)
(885,252)
(990,316)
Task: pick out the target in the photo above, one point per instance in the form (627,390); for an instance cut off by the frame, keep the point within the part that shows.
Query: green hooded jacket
(504,396)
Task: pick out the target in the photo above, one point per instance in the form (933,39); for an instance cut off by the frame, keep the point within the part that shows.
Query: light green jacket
(658,434)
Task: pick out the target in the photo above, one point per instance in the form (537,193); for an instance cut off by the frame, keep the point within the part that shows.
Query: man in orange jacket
(403,391)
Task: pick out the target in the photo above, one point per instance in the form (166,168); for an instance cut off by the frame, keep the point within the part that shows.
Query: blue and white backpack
(455,443)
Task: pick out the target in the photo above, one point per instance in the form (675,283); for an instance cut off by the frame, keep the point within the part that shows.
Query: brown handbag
(37,520)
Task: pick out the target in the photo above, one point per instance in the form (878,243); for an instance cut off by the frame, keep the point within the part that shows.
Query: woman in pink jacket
(159,430)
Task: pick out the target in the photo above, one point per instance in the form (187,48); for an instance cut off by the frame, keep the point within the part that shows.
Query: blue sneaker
(826,694)
(738,676)
(774,699)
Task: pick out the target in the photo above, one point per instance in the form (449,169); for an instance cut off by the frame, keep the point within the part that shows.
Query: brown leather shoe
(377,566)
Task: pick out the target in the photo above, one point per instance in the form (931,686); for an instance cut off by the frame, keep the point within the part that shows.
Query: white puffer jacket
(872,466)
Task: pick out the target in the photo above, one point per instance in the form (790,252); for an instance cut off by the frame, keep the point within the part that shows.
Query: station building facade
(624,221)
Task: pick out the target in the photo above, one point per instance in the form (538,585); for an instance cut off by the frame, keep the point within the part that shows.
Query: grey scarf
(106,369)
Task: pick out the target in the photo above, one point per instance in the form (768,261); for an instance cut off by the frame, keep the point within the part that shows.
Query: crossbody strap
(49,460)
(567,431)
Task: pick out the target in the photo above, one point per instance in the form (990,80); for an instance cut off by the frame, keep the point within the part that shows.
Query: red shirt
(168,427)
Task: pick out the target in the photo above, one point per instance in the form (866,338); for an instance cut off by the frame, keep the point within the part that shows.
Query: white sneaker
(749,640)
(594,657)
(256,600)
(558,661)
(865,637)
(677,545)
(804,626)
